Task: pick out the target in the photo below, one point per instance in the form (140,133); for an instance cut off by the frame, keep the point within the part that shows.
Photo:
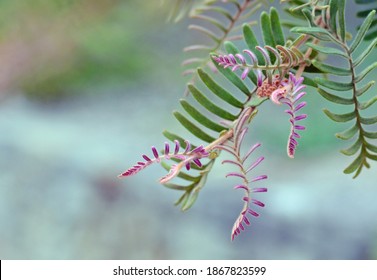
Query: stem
(240,10)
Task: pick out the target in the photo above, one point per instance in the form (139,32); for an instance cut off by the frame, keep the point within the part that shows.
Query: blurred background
(86,87)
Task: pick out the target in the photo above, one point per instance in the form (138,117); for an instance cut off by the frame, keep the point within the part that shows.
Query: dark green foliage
(352,81)
(209,109)
(372,33)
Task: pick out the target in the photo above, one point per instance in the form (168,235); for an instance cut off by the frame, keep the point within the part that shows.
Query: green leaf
(367,104)
(362,31)
(308,15)
(371,156)
(205,31)
(371,120)
(216,9)
(230,47)
(176,187)
(193,128)
(365,72)
(268,36)
(335,98)
(348,134)
(353,149)
(232,77)
(341,19)
(203,120)
(355,164)
(276,28)
(371,135)
(316,32)
(371,147)
(183,199)
(327,50)
(365,1)
(203,100)
(365,53)
(365,88)
(333,14)
(190,201)
(213,21)
(330,69)
(309,81)
(219,90)
(340,117)
(171,136)
(252,42)
(334,85)
(255,101)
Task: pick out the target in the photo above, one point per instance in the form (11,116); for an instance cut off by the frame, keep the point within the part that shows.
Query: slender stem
(240,10)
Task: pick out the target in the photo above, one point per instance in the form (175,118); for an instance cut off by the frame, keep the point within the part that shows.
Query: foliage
(276,69)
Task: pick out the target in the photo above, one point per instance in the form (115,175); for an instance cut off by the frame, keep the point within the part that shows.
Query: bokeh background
(86,87)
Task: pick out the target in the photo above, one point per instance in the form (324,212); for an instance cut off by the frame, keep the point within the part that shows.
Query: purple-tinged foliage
(233,147)
(230,61)
(290,94)
(186,157)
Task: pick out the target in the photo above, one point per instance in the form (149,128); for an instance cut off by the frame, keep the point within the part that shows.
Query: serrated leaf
(340,86)
(365,72)
(362,31)
(330,69)
(340,117)
(206,103)
(371,120)
(193,128)
(367,104)
(348,134)
(327,50)
(355,164)
(335,98)
(353,149)
(276,28)
(219,90)
(233,78)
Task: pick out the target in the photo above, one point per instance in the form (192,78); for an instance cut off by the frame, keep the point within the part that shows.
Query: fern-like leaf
(216,21)
(290,94)
(334,89)
(369,34)
(233,147)
(186,157)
